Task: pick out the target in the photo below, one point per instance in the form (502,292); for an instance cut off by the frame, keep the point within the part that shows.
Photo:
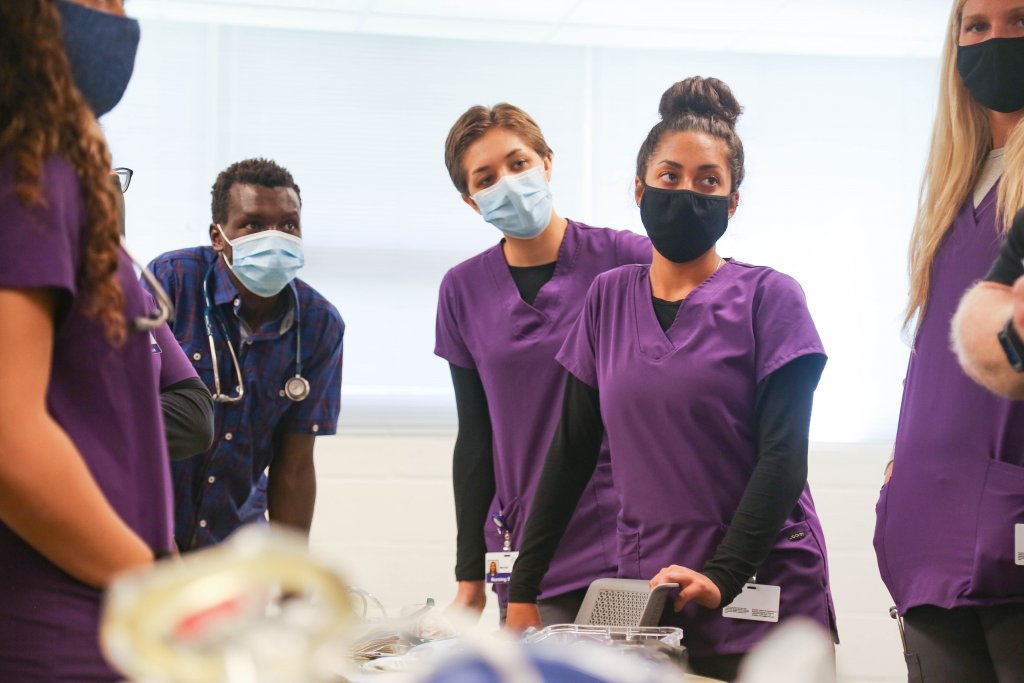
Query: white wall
(384,511)
(835,147)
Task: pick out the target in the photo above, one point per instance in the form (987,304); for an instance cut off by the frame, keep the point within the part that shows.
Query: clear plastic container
(612,635)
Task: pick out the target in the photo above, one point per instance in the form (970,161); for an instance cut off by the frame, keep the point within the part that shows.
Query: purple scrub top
(944,534)
(678,409)
(171,363)
(483,324)
(107,400)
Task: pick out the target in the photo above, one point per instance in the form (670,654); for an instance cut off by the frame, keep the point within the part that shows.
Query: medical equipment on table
(256,609)
(295,388)
(661,643)
(624,602)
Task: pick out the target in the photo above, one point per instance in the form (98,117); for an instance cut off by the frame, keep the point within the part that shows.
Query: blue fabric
(101,49)
(237,462)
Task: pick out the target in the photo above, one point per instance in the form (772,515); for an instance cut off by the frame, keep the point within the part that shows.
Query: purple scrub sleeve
(944,533)
(107,400)
(484,324)
(678,410)
(172,364)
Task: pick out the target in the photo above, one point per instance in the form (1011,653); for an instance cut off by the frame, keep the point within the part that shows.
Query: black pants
(965,644)
(722,667)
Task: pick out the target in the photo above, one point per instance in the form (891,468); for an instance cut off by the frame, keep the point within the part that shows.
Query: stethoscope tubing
(209,312)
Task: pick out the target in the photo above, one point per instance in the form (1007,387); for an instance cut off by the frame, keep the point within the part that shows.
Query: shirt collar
(225,292)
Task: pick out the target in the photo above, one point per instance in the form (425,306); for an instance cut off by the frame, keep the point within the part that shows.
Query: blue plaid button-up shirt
(215,491)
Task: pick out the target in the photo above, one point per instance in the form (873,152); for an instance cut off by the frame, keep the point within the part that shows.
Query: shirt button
(202,523)
(316,428)
(211,479)
(236,301)
(281,392)
(196,356)
(229,436)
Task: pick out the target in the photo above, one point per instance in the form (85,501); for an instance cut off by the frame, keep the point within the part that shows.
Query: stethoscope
(165,310)
(295,388)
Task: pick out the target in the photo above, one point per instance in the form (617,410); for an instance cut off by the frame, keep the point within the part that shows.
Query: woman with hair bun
(700,371)
(501,317)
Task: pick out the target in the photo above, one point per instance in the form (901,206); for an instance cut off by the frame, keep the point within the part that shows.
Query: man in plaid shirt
(242,291)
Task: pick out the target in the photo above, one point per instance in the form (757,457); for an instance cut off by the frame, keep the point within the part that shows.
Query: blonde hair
(961,139)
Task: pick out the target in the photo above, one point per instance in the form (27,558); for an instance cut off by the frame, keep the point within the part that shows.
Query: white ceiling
(802,27)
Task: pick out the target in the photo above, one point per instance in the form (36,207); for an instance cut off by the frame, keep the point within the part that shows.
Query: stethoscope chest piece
(296,388)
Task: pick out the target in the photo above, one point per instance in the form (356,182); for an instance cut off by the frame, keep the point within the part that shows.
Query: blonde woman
(947,514)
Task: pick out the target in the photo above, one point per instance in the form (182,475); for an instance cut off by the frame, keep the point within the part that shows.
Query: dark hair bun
(702,97)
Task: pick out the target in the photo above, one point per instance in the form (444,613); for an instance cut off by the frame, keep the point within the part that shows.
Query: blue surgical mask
(265,262)
(101,49)
(518,205)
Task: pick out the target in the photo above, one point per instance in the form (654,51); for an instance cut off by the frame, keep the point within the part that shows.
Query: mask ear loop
(165,308)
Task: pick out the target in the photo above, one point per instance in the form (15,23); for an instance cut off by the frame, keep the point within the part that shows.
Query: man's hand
(693,586)
(470,600)
(521,616)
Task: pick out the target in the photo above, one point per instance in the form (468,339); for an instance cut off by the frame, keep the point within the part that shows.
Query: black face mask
(683,225)
(993,72)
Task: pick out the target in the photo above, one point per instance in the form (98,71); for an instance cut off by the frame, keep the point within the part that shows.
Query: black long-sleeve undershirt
(188,418)
(473,457)
(782,417)
(472,473)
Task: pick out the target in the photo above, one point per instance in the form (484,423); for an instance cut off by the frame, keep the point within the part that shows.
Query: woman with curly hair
(84,487)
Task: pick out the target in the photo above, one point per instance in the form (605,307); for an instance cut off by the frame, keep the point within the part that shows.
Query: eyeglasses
(124,177)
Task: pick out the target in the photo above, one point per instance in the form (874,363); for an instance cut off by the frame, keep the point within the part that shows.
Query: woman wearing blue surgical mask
(84,480)
(502,316)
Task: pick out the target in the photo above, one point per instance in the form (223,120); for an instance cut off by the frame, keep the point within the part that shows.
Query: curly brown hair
(43,114)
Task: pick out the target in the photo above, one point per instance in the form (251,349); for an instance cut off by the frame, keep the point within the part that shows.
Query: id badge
(498,566)
(1018,545)
(757,602)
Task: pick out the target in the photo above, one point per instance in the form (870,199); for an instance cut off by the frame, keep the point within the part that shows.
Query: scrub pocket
(1002,506)
(494,538)
(878,541)
(797,565)
(796,552)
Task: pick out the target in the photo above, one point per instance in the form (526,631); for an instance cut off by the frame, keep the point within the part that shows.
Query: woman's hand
(692,586)
(470,600)
(521,616)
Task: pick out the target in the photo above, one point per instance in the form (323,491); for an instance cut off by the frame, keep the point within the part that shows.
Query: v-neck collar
(526,319)
(656,343)
(983,205)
